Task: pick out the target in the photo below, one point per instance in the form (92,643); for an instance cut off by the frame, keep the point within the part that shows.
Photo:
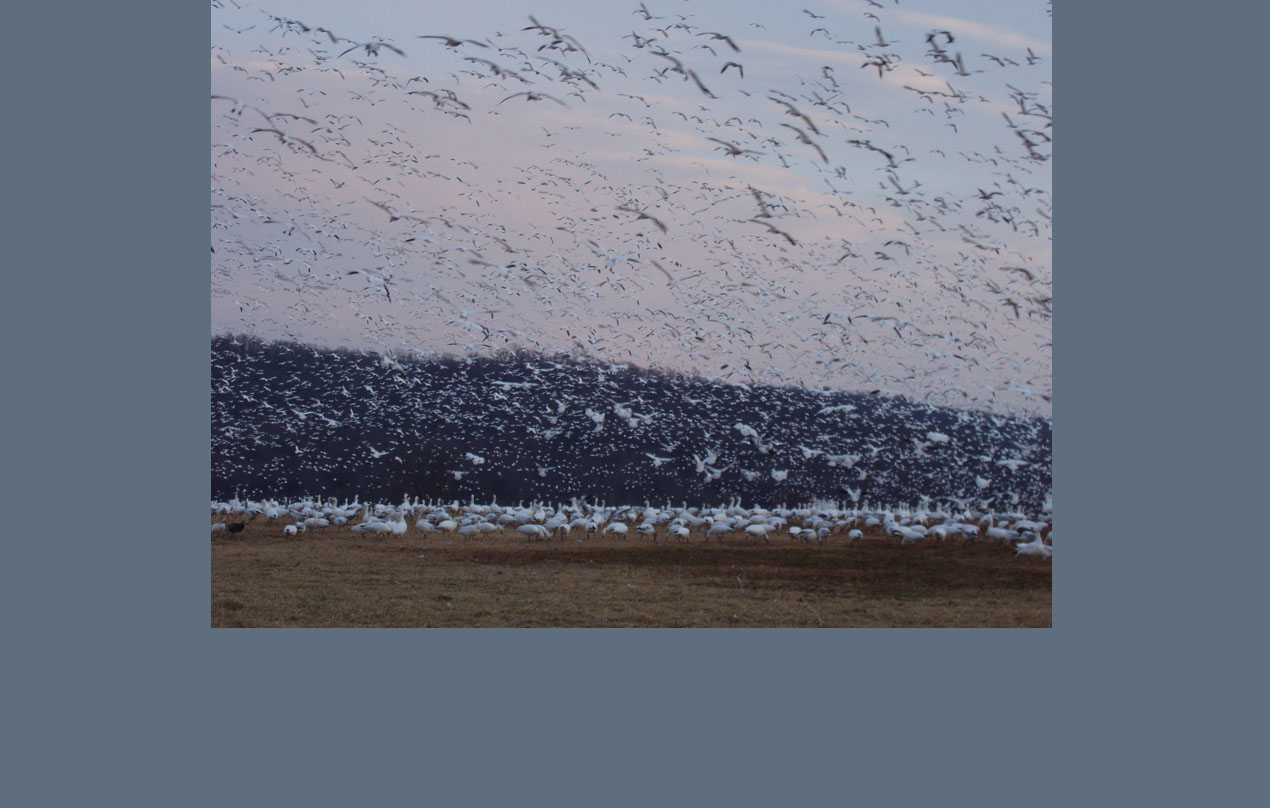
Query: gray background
(119,691)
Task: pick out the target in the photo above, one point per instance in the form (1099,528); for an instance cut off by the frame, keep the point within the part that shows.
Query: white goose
(534,531)
(1035,547)
(398,526)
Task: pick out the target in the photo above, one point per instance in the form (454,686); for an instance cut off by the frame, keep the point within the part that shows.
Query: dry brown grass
(335,577)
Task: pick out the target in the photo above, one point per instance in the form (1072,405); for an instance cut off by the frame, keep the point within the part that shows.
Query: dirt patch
(334,577)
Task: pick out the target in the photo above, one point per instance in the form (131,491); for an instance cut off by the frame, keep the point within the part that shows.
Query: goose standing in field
(1035,547)
(999,533)
(371,524)
(759,530)
(533,531)
(398,526)
(718,528)
(908,535)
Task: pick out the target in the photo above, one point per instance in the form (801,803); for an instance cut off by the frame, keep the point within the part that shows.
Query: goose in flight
(790,109)
(890,159)
(687,73)
(676,65)
(288,140)
(557,37)
(948,38)
(722,37)
(533,95)
(731,149)
(763,205)
(239,106)
(776,231)
(643,9)
(881,63)
(293,117)
(671,279)
(803,138)
(393,215)
(451,42)
(546,30)
(1021,271)
(373,277)
(642,215)
(441,98)
(372,48)
(497,69)
(692,74)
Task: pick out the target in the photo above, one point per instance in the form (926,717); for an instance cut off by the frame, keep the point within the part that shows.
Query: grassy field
(335,577)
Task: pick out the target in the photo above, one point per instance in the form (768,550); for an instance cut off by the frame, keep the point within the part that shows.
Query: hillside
(291,419)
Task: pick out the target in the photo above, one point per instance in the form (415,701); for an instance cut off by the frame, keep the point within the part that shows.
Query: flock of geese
(290,418)
(809,524)
(809,199)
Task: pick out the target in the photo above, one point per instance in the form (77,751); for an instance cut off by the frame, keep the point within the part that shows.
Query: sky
(853,195)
